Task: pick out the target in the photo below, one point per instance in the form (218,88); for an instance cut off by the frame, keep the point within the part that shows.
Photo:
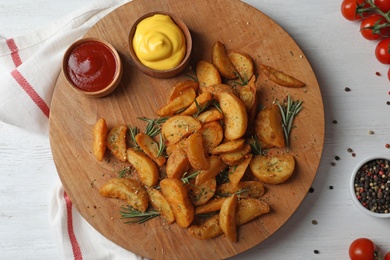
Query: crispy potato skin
(177,164)
(128,190)
(178,89)
(268,127)
(116,142)
(281,78)
(242,62)
(207,74)
(182,101)
(207,230)
(177,196)
(273,169)
(99,136)
(222,62)
(159,203)
(196,152)
(227,218)
(178,127)
(145,167)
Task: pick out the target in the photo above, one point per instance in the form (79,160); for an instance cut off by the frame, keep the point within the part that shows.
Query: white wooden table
(325,223)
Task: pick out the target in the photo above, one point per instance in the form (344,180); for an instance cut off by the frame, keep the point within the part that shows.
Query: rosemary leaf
(123,172)
(255,145)
(186,179)
(136,216)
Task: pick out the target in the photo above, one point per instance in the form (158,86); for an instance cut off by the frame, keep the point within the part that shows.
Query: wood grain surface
(240,27)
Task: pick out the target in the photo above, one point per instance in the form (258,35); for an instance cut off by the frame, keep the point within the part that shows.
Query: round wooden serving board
(240,27)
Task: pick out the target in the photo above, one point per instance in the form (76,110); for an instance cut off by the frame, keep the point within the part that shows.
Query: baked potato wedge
(159,203)
(237,172)
(182,101)
(243,63)
(212,134)
(274,169)
(213,205)
(268,127)
(210,115)
(178,89)
(208,229)
(199,195)
(178,127)
(128,190)
(99,135)
(248,95)
(196,152)
(177,196)
(146,168)
(177,164)
(281,78)
(227,218)
(234,158)
(222,62)
(207,74)
(228,146)
(216,89)
(116,142)
(249,209)
(235,116)
(150,148)
(216,166)
(200,102)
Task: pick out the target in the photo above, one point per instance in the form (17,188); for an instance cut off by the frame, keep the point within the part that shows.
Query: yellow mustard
(159,43)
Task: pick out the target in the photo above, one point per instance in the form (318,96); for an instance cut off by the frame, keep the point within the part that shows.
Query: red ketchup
(91,66)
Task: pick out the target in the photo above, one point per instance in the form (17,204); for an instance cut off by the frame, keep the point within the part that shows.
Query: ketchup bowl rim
(118,68)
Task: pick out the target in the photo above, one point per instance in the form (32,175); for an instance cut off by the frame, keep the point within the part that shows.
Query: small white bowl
(352,186)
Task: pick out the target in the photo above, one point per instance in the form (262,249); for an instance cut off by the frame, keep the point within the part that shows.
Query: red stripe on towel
(73,241)
(14,52)
(31,92)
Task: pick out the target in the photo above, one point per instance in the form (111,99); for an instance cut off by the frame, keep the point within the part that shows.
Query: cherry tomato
(382,51)
(383,5)
(362,249)
(387,256)
(349,8)
(366,27)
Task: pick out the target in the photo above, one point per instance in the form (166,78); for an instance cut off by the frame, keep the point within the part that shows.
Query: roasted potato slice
(199,195)
(208,229)
(182,144)
(244,189)
(235,116)
(216,166)
(128,190)
(248,95)
(222,62)
(210,115)
(237,172)
(227,218)
(178,89)
(249,209)
(99,135)
(145,167)
(243,63)
(212,134)
(213,205)
(196,152)
(179,127)
(177,196)
(228,146)
(268,127)
(234,158)
(180,102)
(200,102)
(207,74)
(177,164)
(116,142)
(281,78)
(159,203)
(273,169)
(150,148)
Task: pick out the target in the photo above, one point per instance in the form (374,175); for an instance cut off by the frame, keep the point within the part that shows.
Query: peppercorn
(372,185)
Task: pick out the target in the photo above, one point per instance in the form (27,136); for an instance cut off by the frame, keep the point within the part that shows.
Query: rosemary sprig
(200,108)
(153,127)
(136,216)
(243,80)
(123,172)
(186,179)
(255,145)
(133,132)
(242,191)
(289,110)
(161,145)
